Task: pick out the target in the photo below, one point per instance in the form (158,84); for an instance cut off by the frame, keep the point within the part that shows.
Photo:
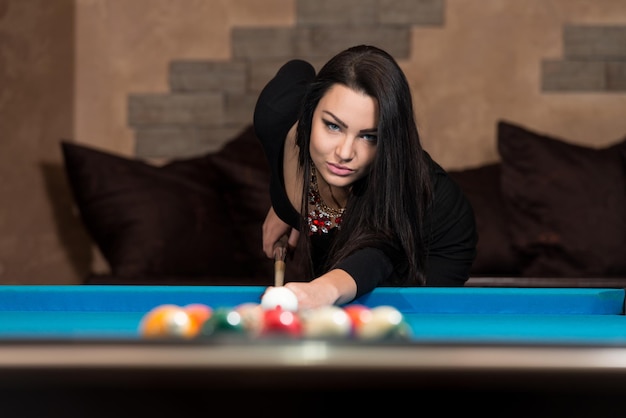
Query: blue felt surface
(434,314)
(70,325)
(408,300)
(582,301)
(543,329)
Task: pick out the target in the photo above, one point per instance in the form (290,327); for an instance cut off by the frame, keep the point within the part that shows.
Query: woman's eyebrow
(345,125)
(339,121)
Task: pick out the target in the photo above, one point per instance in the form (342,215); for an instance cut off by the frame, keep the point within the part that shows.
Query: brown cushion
(567,204)
(495,255)
(247,199)
(170,221)
(243,183)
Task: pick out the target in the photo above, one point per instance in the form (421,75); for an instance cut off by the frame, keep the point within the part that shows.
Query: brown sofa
(549,213)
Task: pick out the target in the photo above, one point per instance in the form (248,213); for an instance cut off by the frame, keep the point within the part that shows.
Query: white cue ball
(279,296)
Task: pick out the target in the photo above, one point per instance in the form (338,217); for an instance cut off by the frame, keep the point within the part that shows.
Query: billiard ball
(223,322)
(198,313)
(278,322)
(279,296)
(252,317)
(385,322)
(358,314)
(165,321)
(326,322)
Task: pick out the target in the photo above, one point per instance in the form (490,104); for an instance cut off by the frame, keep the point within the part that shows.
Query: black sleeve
(368,267)
(277,110)
(451,233)
(451,239)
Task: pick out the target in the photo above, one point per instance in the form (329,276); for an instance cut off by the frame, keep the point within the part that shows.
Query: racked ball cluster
(276,316)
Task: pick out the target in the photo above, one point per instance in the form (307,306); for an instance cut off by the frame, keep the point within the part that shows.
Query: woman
(352,184)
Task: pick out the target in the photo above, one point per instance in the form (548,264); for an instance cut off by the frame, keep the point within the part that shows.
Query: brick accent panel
(594,61)
(194,109)
(337,13)
(211,101)
(198,76)
(594,42)
(411,12)
(573,75)
(324,42)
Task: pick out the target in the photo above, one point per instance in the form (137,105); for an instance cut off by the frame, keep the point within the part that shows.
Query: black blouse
(451,241)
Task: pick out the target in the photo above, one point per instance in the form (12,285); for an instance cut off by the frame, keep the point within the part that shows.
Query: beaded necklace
(321,217)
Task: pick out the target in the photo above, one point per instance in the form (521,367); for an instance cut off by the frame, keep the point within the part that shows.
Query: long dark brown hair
(386,208)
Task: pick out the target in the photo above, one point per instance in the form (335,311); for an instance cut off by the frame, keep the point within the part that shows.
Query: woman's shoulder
(451,217)
(279,102)
(296,69)
(445,190)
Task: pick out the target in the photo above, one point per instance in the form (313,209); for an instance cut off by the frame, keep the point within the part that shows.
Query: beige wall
(68,66)
(125,46)
(482,65)
(485,65)
(38,232)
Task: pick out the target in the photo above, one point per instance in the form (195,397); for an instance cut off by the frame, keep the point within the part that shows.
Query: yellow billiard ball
(384,322)
(326,322)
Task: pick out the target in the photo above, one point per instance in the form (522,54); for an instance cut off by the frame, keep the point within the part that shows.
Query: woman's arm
(273,230)
(275,115)
(356,275)
(333,288)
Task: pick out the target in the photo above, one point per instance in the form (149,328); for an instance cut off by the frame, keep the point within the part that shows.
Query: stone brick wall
(210,101)
(96,72)
(594,60)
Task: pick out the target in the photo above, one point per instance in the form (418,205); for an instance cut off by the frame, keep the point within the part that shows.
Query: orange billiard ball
(166,321)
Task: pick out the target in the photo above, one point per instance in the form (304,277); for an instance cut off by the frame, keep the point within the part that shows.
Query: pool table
(552,351)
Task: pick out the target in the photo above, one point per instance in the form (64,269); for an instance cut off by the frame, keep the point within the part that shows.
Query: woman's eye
(332,126)
(370,137)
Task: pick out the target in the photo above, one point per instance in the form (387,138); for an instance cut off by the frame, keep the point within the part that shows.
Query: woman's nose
(345,148)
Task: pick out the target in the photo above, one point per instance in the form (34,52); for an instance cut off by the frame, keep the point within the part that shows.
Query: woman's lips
(339,170)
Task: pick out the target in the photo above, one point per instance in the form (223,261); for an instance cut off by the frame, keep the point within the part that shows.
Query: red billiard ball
(278,322)
(358,314)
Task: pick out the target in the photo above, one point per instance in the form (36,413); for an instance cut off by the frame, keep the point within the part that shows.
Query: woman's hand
(273,230)
(333,288)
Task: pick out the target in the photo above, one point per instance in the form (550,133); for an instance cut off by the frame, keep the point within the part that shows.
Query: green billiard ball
(223,322)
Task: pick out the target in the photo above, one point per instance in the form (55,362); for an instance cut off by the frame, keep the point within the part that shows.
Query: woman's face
(343,135)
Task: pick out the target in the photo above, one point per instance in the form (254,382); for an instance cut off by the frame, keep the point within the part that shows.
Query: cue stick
(280,256)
